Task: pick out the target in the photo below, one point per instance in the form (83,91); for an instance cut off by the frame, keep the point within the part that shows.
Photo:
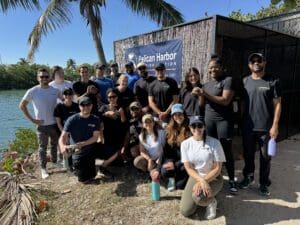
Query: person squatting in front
(202,157)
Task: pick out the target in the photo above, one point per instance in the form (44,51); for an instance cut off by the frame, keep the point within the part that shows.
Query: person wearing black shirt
(262,101)
(163,93)
(218,94)
(193,104)
(141,87)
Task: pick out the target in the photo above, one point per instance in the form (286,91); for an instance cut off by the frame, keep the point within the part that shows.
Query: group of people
(179,135)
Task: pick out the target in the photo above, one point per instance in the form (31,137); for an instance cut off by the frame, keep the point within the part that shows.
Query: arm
(175,100)
(277,112)
(23,107)
(59,124)
(153,105)
(224,100)
(143,152)
(91,140)
(63,140)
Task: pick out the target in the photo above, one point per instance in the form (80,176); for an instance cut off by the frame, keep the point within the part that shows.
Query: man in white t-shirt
(44,99)
(59,81)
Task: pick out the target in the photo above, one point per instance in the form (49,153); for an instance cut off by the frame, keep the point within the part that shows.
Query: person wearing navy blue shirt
(102,82)
(132,76)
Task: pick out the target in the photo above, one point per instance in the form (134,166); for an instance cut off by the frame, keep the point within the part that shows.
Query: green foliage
(25,141)
(8,165)
(276,7)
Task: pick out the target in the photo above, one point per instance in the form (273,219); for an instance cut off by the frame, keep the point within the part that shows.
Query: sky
(74,40)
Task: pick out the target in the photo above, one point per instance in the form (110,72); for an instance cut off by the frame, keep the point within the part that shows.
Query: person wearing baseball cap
(260,120)
(202,157)
(141,87)
(102,82)
(163,93)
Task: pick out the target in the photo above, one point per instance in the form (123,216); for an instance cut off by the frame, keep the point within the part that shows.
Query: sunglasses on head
(256,61)
(197,125)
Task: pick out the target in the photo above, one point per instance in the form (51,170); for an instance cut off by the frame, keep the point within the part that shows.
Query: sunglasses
(256,61)
(85,105)
(197,125)
(112,96)
(44,77)
(134,109)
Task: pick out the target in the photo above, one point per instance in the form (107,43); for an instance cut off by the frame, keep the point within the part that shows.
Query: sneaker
(171,184)
(232,187)
(44,173)
(211,210)
(247,182)
(264,191)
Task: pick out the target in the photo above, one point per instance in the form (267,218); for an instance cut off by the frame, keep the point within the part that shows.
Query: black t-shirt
(114,129)
(81,129)
(63,111)
(213,110)
(125,98)
(141,90)
(258,96)
(190,102)
(135,128)
(163,92)
(80,87)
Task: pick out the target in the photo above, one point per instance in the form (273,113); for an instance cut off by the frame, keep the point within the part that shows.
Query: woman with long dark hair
(202,157)
(193,104)
(170,164)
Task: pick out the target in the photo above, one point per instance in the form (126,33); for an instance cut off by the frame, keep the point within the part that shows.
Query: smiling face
(193,78)
(84,73)
(148,124)
(59,75)
(178,118)
(197,130)
(85,109)
(43,78)
(214,69)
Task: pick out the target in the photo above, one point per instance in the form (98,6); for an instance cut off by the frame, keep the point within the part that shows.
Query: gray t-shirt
(259,108)
(44,101)
(202,157)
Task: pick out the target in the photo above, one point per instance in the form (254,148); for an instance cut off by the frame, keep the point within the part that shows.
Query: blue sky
(74,40)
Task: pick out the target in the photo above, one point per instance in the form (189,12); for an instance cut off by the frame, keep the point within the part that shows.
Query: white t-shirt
(44,101)
(63,86)
(202,157)
(152,147)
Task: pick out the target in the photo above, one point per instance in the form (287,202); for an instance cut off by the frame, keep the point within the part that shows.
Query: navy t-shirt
(259,107)
(213,110)
(80,87)
(163,92)
(80,128)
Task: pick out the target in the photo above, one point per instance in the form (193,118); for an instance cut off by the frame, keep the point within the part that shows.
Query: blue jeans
(43,134)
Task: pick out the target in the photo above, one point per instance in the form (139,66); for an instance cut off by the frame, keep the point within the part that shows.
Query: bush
(25,142)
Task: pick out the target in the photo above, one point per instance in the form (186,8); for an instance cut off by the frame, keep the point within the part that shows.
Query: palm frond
(159,11)
(13,4)
(55,16)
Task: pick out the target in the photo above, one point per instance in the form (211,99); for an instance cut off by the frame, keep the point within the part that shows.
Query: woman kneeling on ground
(152,141)
(202,157)
(170,164)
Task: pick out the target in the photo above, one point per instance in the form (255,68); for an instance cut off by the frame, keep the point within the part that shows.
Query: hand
(206,188)
(169,166)
(79,145)
(37,122)
(154,175)
(145,109)
(151,164)
(163,116)
(274,131)
(196,91)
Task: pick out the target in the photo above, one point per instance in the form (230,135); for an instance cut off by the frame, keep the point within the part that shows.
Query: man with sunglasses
(83,128)
(262,109)
(141,87)
(103,83)
(44,99)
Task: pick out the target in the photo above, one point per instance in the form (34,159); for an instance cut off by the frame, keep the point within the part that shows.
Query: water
(11,117)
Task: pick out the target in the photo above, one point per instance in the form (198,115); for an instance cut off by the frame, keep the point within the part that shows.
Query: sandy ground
(126,199)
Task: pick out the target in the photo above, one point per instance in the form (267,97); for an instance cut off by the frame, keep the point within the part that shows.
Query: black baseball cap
(84,100)
(160,66)
(257,55)
(100,66)
(68,91)
(196,120)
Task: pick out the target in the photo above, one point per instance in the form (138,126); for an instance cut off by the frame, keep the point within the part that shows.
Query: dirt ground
(126,199)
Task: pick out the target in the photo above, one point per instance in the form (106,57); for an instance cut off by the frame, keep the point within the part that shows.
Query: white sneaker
(44,173)
(211,210)
(171,184)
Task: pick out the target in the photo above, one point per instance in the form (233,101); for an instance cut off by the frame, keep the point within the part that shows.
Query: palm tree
(71,64)
(58,14)
(12,4)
